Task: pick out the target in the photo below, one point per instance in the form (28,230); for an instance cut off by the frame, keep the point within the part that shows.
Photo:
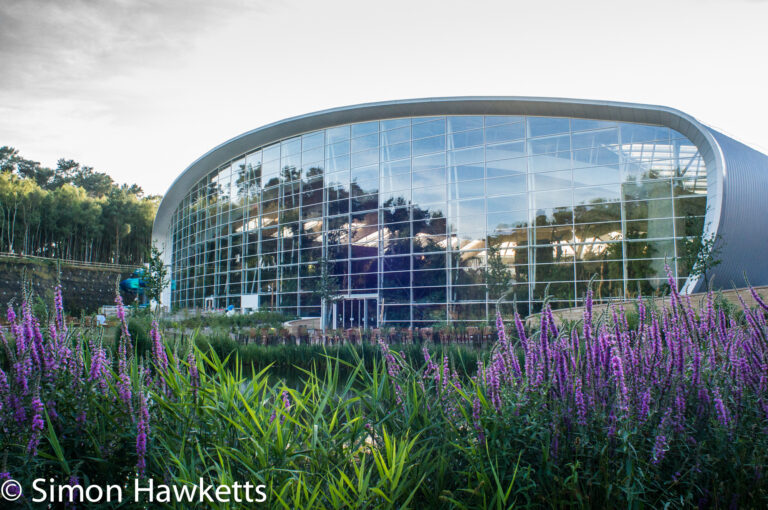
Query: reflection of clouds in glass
(605,204)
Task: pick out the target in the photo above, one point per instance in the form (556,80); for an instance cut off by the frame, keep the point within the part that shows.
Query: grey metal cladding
(743,222)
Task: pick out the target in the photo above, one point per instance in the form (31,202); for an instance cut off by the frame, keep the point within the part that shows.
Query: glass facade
(406,209)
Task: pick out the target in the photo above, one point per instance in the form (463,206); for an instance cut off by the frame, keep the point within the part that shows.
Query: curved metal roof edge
(686,124)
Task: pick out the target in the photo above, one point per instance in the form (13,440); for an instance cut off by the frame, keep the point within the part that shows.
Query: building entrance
(356,312)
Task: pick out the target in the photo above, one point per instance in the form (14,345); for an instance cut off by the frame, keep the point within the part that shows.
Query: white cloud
(142,88)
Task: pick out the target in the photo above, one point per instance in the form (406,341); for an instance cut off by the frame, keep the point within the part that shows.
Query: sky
(141,88)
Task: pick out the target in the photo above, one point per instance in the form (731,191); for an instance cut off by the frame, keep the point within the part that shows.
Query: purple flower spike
(142,435)
(37,426)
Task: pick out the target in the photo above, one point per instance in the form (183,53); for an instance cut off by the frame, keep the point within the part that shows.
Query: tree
(700,256)
(496,274)
(326,287)
(72,212)
(156,277)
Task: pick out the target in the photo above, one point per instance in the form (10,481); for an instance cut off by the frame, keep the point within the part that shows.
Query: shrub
(670,413)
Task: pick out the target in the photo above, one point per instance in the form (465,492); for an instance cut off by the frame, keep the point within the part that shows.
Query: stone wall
(84,288)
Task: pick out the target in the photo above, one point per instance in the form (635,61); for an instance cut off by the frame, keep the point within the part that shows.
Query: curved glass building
(408,203)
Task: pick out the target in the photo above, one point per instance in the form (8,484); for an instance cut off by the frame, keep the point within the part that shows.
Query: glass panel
(428,129)
(466,172)
(495,120)
(426,162)
(506,221)
(428,195)
(365,142)
(508,203)
(539,126)
(585,124)
(503,185)
(467,189)
(465,139)
(398,151)
(550,162)
(434,177)
(464,123)
(428,145)
(551,180)
(365,128)
(504,151)
(368,157)
(336,134)
(385,125)
(638,133)
(504,133)
(549,144)
(396,136)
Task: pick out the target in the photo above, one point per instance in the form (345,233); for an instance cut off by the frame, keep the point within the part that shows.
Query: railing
(73,263)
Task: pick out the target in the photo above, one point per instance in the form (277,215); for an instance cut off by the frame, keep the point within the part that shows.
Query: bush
(670,413)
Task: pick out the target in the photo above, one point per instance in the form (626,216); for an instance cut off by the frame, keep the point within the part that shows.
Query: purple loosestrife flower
(99,372)
(544,345)
(19,413)
(500,328)
(5,391)
(194,374)
(618,371)
(36,347)
(494,387)
(431,367)
(142,434)
(123,382)
(37,426)
(53,353)
(476,410)
(758,299)
(578,398)
(720,409)
(73,482)
(124,391)
(13,490)
(587,326)
(58,302)
(23,372)
(520,327)
(286,401)
(643,406)
(158,349)
(659,448)
(123,324)
(393,368)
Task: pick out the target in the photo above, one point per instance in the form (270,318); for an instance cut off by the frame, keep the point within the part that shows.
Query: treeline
(72,212)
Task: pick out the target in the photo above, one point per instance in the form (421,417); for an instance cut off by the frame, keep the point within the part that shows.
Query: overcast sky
(141,88)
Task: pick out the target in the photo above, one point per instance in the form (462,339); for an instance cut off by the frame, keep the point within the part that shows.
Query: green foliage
(71,212)
(289,358)
(325,287)
(258,319)
(156,278)
(700,256)
(374,427)
(497,275)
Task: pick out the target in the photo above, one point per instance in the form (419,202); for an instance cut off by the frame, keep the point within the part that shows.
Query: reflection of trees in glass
(325,286)
(699,254)
(496,275)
